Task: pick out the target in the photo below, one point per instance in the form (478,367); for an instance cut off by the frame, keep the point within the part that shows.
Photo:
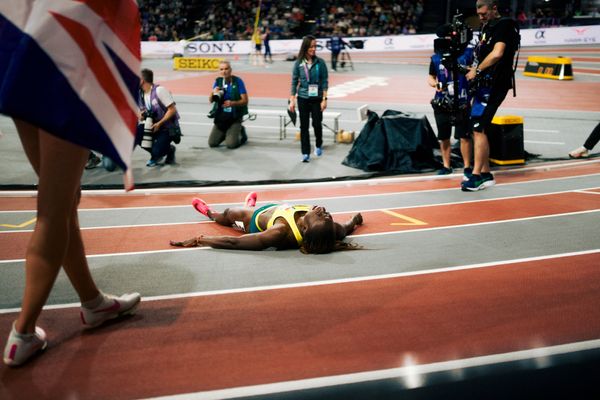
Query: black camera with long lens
(218,98)
(147,113)
(147,138)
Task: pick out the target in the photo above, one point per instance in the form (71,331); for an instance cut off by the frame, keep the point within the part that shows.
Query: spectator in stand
(522,19)
(354,18)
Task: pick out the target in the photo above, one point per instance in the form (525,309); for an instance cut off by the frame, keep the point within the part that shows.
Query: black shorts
(444,127)
(485,104)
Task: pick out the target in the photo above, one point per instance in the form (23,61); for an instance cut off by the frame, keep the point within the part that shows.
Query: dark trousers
(161,143)
(310,108)
(593,139)
(334,58)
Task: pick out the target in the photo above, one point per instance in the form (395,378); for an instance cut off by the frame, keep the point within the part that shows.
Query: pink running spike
(251,199)
(13,351)
(201,206)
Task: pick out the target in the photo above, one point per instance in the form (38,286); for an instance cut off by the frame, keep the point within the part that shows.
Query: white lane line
(246,125)
(332,281)
(587,191)
(133,253)
(477,224)
(285,186)
(542,130)
(409,376)
(542,142)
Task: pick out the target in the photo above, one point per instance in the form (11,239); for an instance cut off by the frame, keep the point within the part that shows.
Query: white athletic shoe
(580,152)
(110,308)
(20,347)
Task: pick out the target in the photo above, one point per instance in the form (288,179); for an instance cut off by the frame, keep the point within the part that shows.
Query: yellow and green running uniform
(284,211)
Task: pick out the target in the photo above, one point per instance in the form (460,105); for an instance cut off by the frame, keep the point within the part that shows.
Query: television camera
(453,39)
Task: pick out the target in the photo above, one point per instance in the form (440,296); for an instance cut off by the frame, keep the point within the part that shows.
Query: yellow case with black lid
(505,136)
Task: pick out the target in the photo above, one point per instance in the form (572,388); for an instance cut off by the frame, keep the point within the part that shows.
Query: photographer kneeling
(230,105)
(160,121)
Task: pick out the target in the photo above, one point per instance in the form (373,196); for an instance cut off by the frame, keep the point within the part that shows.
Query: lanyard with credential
(308,75)
(228,87)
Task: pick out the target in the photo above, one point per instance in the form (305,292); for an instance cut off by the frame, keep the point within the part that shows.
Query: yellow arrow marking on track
(411,221)
(23,225)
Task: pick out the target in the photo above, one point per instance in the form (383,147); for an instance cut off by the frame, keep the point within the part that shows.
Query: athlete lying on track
(308,228)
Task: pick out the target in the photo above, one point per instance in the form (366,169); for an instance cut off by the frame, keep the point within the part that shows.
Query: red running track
(153,238)
(232,340)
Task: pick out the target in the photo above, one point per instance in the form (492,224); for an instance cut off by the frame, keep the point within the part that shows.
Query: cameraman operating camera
(161,127)
(451,102)
(492,76)
(230,105)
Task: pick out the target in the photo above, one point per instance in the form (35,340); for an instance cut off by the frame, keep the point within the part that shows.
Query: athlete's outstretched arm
(274,237)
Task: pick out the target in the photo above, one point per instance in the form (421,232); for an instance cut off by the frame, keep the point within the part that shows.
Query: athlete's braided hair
(321,239)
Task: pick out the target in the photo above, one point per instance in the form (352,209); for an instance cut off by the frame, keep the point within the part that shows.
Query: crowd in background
(165,20)
(174,20)
(540,18)
(371,18)
(286,19)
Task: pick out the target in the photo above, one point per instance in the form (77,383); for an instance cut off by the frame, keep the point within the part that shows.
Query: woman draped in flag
(86,56)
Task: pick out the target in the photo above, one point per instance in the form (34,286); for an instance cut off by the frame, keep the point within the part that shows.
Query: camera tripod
(345,60)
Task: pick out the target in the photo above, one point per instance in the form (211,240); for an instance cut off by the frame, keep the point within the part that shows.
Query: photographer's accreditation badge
(313,90)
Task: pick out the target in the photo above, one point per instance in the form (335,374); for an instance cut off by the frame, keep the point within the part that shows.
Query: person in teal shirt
(309,92)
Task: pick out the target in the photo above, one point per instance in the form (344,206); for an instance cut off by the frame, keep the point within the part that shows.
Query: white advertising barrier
(571,35)
(529,37)
(225,48)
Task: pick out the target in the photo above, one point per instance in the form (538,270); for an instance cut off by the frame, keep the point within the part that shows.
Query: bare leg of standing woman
(55,242)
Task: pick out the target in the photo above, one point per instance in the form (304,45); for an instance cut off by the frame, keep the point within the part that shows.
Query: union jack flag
(71,67)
